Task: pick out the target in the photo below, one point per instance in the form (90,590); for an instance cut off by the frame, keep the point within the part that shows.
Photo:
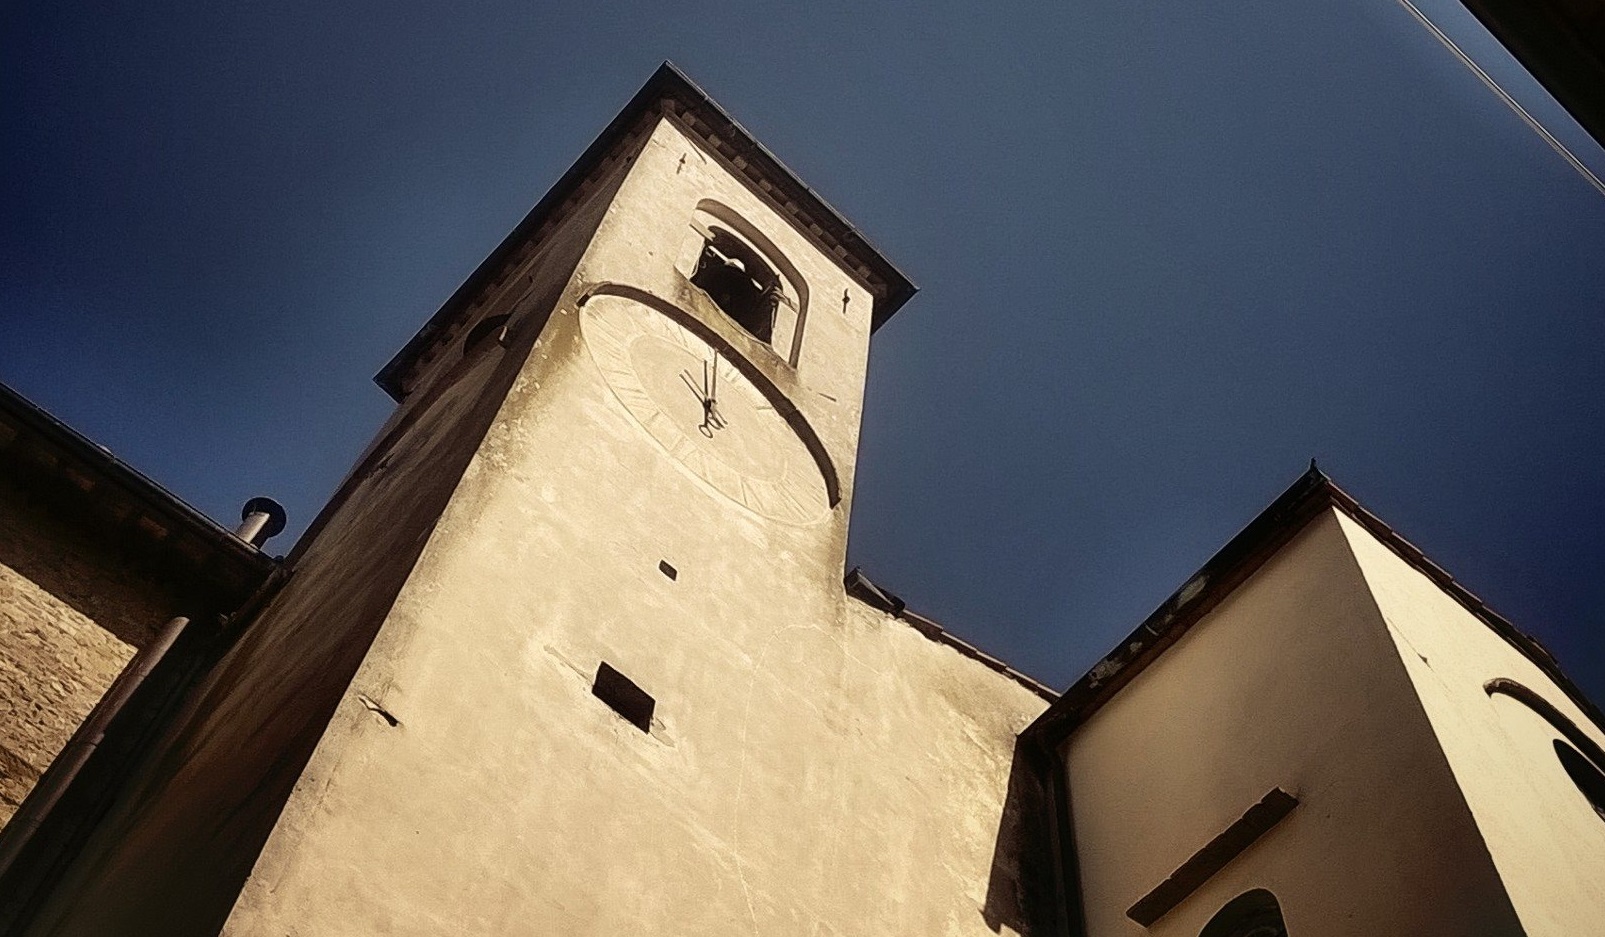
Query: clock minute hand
(697,391)
(714,416)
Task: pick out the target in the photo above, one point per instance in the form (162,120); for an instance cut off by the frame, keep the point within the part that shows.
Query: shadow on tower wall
(1024,891)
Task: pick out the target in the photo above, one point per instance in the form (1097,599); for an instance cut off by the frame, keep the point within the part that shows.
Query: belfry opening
(739,283)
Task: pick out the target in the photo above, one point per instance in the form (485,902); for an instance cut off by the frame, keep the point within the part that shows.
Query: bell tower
(556,620)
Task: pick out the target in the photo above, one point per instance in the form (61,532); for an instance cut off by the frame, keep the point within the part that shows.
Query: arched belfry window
(1582,758)
(738,281)
(1251,914)
(747,277)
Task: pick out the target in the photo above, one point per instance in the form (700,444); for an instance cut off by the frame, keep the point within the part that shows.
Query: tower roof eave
(670,91)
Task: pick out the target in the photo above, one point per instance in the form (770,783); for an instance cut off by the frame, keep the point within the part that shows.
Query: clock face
(710,417)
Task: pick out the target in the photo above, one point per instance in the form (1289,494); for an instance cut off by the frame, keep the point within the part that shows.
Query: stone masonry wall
(56,657)
(54,665)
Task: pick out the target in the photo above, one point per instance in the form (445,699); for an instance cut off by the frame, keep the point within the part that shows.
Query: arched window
(1582,759)
(1588,778)
(1251,914)
(747,277)
(738,281)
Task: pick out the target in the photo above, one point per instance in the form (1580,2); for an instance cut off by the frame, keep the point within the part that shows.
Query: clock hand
(685,376)
(705,427)
(714,416)
(711,420)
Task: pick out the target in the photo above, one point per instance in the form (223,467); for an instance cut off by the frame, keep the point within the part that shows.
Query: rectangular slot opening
(622,696)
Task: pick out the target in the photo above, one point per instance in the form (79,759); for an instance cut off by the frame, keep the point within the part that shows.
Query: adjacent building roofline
(1312,494)
(129,510)
(670,92)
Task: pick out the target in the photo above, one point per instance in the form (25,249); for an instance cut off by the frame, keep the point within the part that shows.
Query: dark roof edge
(141,488)
(747,157)
(1555,52)
(895,286)
(1529,646)
(859,587)
(1242,556)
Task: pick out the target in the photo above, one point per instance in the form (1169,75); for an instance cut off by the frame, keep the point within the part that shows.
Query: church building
(573,650)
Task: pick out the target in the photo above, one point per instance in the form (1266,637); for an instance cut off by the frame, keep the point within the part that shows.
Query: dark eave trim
(1312,494)
(1551,41)
(69,450)
(668,92)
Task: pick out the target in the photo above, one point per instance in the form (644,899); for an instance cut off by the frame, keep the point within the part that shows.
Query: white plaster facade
(813,766)
(1546,841)
(1342,674)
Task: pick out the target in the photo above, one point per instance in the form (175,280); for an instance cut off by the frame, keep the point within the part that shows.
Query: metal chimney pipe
(260,519)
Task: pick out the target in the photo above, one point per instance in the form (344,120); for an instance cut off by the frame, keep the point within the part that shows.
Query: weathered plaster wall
(71,615)
(813,766)
(171,860)
(1547,842)
(1292,681)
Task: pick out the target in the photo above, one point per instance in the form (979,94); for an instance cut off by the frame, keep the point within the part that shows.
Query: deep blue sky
(1168,253)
